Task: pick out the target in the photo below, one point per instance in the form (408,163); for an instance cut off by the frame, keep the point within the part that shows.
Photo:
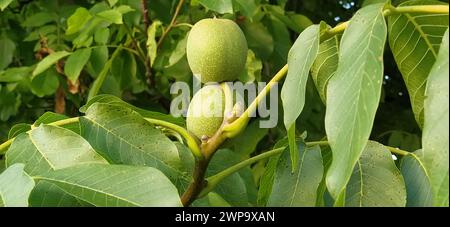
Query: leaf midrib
(84,187)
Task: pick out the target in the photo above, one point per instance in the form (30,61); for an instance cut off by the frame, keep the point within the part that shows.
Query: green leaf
(253,68)
(15,187)
(48,61)
(49,148)
(414,39)
(115,185)
(7,48)
(219,6)
(123,70)
(325,65)
(301,21)
(40,19)
(266,181)
(259,39)
(300,187)
(247,7)
(215,200)
(115,15)
(101,36)
(75,63)
(97,61)
(375,180)
(46,194)
(122,136)
(113,100)
(417,182)
(282,42)
(45,83)
(246,142)
(12,75)
(10,103)
(4,4)
(235,189)
(98,83)
(179,52)
(77,20)
(300,59)
(354,92)
(435,131)
(50,117)
(18,129)
(151,41)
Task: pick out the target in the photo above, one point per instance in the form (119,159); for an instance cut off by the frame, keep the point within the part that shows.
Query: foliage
(85,99)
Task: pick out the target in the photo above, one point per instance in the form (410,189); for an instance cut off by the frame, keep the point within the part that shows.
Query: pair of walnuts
(216,52)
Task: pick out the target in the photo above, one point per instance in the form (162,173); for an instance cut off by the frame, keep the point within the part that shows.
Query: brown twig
(144,7)
(172,23)
(147,62)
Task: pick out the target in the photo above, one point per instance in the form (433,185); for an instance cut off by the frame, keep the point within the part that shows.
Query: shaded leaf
(417,182)
(414,39)
(298,188)
(325,65)
(7,48)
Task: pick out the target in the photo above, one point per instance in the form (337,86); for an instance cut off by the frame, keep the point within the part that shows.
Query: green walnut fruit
(216,50)
(208,109)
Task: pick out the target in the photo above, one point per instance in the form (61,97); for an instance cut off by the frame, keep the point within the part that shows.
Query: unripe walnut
(208,109)
(216,50)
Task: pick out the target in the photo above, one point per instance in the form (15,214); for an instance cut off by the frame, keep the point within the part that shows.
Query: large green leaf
(375,180)
(115,185)
(114,100)
(325,65)
(435,131)
(122,136)
(417,181)
(300,59)
(47,148)
(15,187)
(354,92)
(46,194)
(48,61)
(414,39)
(300,187)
